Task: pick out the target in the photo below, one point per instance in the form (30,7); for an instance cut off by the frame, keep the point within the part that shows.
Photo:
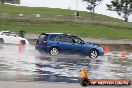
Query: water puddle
(30,65)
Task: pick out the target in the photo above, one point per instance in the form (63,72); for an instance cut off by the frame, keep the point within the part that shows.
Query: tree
(122,7)
(91,5)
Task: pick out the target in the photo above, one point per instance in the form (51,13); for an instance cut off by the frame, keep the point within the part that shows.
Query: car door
(79,45)
(10,37)
(14,39)
(65,43)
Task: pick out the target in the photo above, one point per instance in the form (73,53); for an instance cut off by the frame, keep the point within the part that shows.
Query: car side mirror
(81,43)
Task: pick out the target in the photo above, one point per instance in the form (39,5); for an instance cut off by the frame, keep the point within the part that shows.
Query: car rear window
(43,37)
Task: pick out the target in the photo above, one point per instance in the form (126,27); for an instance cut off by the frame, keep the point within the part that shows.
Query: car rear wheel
(23,42)
(93,53)
(1,41)
(54,51)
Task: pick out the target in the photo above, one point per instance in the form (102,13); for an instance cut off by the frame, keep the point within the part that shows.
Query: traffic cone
(123,56)
(84,74)
(106,50)
(18,76)
(20,47)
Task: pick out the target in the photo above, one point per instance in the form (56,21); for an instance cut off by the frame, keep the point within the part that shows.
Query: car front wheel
(93,53)
(54,51)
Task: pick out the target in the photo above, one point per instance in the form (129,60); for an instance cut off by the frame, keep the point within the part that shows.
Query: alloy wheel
(93,54)
(54,51)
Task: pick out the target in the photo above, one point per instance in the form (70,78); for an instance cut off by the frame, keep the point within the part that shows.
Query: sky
(73,5)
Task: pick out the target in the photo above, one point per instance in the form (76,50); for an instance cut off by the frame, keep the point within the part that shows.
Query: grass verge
(80,29)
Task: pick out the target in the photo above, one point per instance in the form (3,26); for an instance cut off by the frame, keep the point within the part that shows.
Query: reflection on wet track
(30,65)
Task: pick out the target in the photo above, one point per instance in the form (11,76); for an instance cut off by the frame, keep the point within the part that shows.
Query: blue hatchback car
(55,43)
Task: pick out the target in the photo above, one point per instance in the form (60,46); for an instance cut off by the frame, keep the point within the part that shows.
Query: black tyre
(85,82)
(54,51)
(93,53)
(130,83)
(1,40)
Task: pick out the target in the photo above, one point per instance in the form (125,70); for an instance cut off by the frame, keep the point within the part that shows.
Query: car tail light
(43,43)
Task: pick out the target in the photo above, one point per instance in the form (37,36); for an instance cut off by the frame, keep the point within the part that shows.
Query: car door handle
(58,43)
(72,44)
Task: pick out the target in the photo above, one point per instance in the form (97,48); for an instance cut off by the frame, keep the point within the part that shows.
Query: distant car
(8,37)
(55,43)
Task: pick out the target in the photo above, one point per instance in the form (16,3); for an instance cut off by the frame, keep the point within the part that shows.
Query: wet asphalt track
(30,65)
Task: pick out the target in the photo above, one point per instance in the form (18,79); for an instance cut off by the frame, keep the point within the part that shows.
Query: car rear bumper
(42,48)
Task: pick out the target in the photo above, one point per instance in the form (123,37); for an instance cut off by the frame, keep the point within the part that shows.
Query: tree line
(122,7)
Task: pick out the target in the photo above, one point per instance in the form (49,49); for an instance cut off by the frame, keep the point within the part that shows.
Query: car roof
(4,31)
(55,34)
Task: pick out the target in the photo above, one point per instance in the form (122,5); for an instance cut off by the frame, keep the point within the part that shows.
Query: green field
(49,12)
(109,28)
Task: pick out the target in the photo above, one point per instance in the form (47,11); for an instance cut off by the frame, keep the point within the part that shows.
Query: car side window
(66,38)
(53,37)
(77,40)
(5,33)
(9,34)
(58,38)
(12,34)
